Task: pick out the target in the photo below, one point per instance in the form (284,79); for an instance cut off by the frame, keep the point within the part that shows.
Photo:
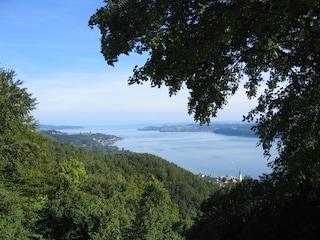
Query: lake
(199,152)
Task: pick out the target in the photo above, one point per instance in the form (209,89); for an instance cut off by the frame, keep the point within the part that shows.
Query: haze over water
(199,152)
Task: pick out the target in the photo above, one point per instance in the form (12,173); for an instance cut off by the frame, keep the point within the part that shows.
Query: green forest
(51,189)
(97,142)
(216,49)
(56,190)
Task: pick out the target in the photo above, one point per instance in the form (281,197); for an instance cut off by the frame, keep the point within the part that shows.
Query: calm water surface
(198,152)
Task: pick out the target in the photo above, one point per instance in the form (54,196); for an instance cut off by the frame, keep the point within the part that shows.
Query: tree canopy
(16,104)
(54,190)
(17,137)
(211,47)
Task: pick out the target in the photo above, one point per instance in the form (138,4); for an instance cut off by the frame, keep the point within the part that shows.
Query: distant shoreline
(229,129)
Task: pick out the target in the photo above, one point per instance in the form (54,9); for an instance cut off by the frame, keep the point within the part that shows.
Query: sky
(53,51)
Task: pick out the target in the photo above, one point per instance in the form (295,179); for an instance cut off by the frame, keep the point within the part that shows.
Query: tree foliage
(97,142)
(157,217)
(11,216)
(211,46)
(52,190)
(16,104)
(17,137)
(256,209)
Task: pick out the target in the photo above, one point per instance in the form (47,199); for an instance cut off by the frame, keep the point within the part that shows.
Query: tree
(11,216)
(210,47)
(16,104)
(17,133)
(157,217)
(24,169)
(244,210)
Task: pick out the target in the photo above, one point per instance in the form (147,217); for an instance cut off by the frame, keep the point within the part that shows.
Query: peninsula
(230,129)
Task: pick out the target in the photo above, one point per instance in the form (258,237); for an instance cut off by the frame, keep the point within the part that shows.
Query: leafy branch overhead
(211,47)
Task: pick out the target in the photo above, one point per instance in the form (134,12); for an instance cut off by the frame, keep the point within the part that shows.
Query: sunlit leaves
(157,216)
(18,142)
(11,216)
(71,173)
(51,190)
(16,103)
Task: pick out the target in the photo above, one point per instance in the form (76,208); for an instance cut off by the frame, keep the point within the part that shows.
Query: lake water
(198,152)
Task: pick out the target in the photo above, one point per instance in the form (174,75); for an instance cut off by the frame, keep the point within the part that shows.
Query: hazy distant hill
(54,127)
(231,129)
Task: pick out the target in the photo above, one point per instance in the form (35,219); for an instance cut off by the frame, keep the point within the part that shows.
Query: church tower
(240,176)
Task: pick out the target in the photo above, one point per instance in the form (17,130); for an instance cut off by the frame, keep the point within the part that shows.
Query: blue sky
(51,48)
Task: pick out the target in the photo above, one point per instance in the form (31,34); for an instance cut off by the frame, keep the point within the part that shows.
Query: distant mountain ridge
(43,127)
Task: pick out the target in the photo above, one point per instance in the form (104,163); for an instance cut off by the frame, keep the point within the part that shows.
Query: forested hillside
(55,190)
(97,142)
(212,49)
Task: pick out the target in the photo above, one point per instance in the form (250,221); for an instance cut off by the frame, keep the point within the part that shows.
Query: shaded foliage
(257,209)
(210,47)
(53,190)
(186,189)
(59,191)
